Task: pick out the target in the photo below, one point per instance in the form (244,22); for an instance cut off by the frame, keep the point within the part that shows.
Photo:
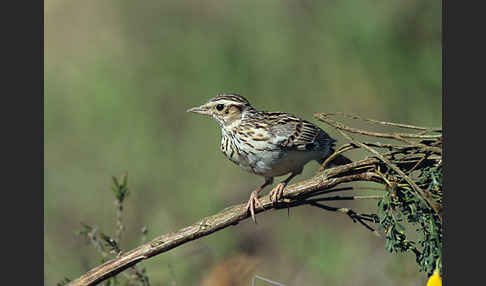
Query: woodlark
(268,144)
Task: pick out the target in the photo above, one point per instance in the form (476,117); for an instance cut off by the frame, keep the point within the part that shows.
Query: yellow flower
(435,279)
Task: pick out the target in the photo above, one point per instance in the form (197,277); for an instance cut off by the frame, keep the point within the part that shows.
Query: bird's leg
(254,198)
(277,193)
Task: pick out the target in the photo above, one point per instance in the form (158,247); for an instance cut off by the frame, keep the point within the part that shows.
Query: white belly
(264,160)
(274,164)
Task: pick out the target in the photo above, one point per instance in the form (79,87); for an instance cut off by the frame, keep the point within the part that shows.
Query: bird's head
(225,108)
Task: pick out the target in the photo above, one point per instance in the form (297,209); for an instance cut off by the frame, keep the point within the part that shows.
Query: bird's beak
(200,110)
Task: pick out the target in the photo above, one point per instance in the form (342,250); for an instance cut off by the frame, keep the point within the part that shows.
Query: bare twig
(397,136)
(404,137)
(407,126)
(266,280)
(339,151)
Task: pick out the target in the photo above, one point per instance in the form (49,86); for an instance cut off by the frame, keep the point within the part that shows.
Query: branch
(421,151)
(293,195)
(397,136)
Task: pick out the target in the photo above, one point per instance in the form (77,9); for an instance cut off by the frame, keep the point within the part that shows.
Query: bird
(268,144)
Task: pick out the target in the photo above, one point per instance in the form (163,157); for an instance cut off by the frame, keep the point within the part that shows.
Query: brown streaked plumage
(268,144)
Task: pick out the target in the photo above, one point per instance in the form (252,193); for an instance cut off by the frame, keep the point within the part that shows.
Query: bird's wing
(292,132)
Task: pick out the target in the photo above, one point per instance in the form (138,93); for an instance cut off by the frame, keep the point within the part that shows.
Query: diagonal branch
(293,195)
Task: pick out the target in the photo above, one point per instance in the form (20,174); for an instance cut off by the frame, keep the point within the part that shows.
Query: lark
(268,144)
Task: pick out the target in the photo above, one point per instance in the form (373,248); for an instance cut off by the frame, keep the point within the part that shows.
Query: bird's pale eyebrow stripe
(230,97)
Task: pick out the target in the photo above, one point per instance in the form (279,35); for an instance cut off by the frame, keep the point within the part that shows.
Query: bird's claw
(277,193)
(252,203)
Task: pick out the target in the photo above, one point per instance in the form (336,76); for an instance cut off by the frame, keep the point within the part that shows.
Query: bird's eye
(219,107)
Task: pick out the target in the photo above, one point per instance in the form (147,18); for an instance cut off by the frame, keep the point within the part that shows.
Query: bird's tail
(336,161)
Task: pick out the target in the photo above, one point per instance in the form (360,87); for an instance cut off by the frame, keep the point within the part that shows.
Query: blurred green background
(119,75)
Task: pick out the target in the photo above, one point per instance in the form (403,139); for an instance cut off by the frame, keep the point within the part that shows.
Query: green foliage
(401,204)
(120,189)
